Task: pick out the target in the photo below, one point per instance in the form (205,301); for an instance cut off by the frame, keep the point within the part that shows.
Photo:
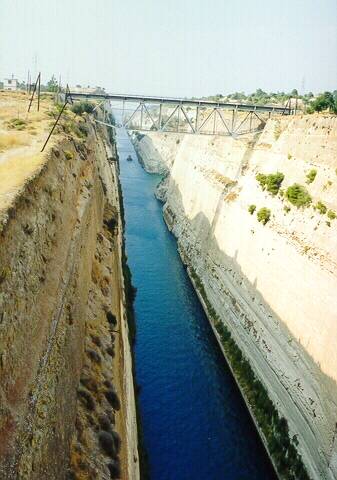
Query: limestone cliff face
(273,286)
(66,394)
(157,153)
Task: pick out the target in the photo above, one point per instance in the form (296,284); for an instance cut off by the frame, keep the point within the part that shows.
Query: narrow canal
(195,423)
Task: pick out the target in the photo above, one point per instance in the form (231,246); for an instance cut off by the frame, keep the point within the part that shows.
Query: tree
(326,101)
(294,93)
(52,84)
(260,93)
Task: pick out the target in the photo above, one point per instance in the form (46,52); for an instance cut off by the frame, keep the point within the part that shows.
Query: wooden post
(58,118)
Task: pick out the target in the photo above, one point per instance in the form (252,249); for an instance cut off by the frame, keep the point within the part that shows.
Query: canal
(195,423)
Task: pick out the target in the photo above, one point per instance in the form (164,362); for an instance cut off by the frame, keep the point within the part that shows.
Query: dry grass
(231,197)
(12,139)
(14,173)
(21,138)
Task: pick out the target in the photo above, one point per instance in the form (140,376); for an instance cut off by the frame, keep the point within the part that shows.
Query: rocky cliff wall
(273,286)
(66,395)
(157,153)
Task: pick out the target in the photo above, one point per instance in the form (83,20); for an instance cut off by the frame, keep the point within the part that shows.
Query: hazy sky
(173,47)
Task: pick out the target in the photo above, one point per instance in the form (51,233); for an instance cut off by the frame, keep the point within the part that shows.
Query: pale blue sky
(173,47)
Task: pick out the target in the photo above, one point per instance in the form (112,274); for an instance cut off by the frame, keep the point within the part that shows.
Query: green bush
(16,124)
(326,101)
(327,185)
(311,175)
(321,208)
(82,107)
(331,214)
(262,179)
(298,195)
(69,155)
(251,209)
(271,182)
(263,215)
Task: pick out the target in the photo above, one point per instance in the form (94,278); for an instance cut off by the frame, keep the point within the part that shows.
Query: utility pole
(57,97)
(38,93)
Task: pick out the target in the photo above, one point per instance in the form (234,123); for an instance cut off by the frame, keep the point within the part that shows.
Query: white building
(11,83)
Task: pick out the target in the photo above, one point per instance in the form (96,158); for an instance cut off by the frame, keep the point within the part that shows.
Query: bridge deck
(185,102)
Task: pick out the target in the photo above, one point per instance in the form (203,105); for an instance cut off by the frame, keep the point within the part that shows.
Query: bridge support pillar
(160,115)
(197,120)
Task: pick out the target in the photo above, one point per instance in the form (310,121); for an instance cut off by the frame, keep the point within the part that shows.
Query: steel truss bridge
(205,117)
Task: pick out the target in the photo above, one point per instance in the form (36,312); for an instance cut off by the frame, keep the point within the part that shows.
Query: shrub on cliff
(105,422)
(311,175)
(94,356)
(114,469)
(271,182)
(251,209)
(110,351)
(298,195)
(68,154)
(331,215)
(82,107)
(111,318)
(263,215)
(87,399)
(89,383)
(113,399)
(107,443)
(321,208)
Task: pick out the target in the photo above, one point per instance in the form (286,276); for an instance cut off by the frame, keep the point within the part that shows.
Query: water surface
(195,423)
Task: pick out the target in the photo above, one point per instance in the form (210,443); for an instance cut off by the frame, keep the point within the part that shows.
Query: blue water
(195,424)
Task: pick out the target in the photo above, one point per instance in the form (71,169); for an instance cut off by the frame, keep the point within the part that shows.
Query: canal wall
(270,287)
(66,392)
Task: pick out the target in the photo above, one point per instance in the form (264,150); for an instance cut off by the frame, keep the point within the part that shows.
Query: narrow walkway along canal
(195,423)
